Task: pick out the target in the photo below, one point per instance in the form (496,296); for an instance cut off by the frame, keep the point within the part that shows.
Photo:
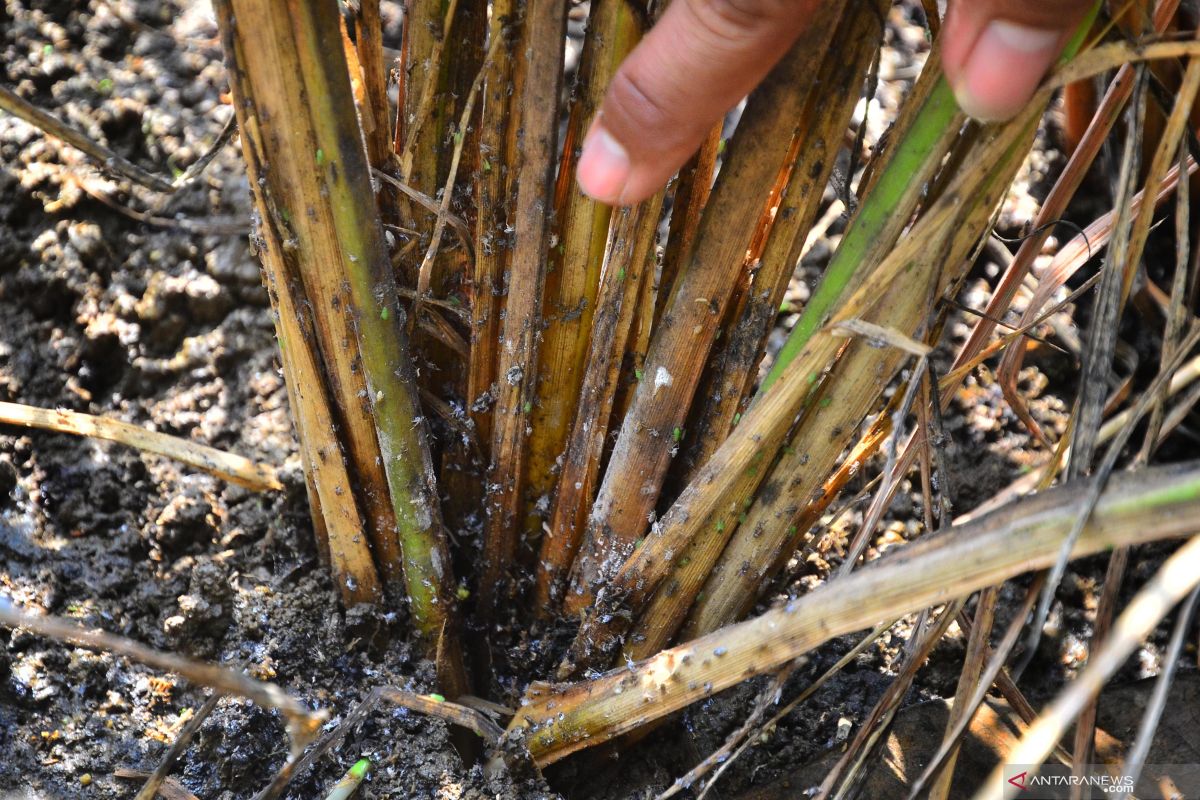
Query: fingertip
(691,67)
(1002,70)
(604,166)
(958,35)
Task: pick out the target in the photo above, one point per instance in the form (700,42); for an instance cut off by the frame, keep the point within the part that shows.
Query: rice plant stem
(885,212)
(425,271)
(933,256)
(517,371)
(679,350)
(881,216)
(1169,585)
(226,466)
(330,461)
(840,76)
(51,125)
(625,272)
(573,271)
(1156,503)
(492,250)
(286,64)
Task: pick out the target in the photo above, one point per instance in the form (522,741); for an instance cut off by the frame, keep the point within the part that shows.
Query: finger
(996,52)
(701,58)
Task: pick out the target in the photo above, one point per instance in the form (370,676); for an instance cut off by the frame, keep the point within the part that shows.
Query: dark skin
(704,56)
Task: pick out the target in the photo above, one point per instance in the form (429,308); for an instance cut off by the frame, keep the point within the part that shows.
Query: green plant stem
(384,349)
(882,213)
(940,244)
(881,217)
(288,64)
(918,269)
(348,785)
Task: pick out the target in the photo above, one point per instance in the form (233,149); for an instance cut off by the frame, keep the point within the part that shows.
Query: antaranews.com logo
(1100,782)
(1048,782)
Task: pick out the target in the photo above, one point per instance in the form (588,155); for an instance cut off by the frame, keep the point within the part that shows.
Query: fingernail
(604,166)
(1004,69)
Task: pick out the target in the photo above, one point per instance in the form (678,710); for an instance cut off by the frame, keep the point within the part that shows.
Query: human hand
(704,56)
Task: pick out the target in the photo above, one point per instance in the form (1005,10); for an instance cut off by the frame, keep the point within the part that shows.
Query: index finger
(701,58)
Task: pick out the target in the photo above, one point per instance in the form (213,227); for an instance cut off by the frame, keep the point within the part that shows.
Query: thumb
(996,52)
(701,58)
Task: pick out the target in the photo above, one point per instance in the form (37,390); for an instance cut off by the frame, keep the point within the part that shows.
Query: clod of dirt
(188,519)
(204,613)
(232,743)
(170,300)
(8,481)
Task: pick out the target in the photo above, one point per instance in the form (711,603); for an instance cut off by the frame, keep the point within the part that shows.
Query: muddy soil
(150,309)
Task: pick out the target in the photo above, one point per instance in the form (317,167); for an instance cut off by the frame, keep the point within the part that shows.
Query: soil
(150,309)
